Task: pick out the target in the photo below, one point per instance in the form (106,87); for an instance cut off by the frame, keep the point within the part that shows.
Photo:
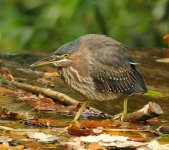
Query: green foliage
(164,138)
(37,24)
(153,93)
(2,80)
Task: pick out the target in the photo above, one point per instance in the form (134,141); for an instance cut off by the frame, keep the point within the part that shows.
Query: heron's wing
(121,80)
(113,70)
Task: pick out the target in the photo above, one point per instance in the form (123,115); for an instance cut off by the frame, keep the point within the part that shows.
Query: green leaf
(153,93)
(164,138)
(2,80)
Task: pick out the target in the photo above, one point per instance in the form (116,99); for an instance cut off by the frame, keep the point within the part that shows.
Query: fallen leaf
(154,121)
(7,74)
(163,60)
(2,80)
(107,138)
(6,91)
(164,138)
(18,147)
(154,145)
(100,123)
(42,137)
(119,133)
(46,81)
(166,38)
(130,144)
(47,100)
(90,139)
(5,140)
(95,146)
(76,130)
(137,127)
(5,114)
(40,102)
(137,139)
(46,122)
(4,147)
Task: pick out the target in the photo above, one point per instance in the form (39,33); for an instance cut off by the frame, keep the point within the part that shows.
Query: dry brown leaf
(18,147)
(40,102)
(101,123)
(45,81)
(137,127)
(47,100)
(166,38)
(33,145)
(5,114)
(119,133)
(47,122)
(4,146)
(154,121)
(7,74)
(76,130)
(137,139)
(95,146)
(6,91)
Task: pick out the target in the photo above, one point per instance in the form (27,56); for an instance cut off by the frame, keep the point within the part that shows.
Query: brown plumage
(98,67)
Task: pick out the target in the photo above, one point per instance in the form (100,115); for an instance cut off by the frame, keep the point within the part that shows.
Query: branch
(150,110)
(60,97)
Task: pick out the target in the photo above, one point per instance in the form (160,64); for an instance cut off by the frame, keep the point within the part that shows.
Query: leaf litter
(97,133)
(42,137)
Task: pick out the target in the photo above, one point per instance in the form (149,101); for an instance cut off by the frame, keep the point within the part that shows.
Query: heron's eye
(64,55)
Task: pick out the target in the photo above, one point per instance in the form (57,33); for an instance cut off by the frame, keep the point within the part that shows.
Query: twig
(60,97)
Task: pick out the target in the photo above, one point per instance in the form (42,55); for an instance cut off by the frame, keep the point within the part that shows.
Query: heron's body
(102,74)
(98,67)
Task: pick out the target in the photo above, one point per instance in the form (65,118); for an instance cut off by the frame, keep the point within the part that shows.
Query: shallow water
(156,76)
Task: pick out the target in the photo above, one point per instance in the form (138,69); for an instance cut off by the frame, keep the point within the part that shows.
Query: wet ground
(156,76)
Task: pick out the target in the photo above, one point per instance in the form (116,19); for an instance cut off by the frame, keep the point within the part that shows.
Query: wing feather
(112,69)
(109,79)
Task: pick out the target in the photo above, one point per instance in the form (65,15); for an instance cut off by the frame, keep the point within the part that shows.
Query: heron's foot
(78,114)
(74,122)
(117,116)
(122,117)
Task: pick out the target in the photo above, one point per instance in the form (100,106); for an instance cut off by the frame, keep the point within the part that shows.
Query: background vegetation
(46,24)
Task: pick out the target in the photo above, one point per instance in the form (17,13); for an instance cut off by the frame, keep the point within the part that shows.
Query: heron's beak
(49,60)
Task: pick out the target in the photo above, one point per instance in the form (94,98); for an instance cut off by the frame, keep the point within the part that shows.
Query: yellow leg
(76,118)
(124,108)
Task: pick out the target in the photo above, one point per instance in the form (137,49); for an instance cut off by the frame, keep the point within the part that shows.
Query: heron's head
(61,58)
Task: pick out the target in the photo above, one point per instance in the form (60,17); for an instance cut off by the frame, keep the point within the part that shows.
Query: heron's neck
(82,84)
(71,75)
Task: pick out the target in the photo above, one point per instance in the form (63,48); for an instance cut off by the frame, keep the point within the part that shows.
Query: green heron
(98,67)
